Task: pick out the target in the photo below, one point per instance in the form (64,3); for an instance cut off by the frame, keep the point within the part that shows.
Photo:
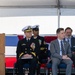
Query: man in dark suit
(42,52)
(60,52)
(71,40)
(26,52)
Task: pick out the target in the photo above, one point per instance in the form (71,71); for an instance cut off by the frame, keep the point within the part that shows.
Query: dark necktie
(62,48)
(28,40)
(68,40)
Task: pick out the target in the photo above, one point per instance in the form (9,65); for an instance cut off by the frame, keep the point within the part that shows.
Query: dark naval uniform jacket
(42,52)
(24,47)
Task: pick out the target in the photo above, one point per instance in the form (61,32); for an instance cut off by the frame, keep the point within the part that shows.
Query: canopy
(36,7)
(38,3)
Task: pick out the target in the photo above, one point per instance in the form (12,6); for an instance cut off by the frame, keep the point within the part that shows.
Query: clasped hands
(65,57)
(27,55)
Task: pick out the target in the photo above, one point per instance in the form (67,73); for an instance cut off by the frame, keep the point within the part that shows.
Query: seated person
(26,48)
(43,46)
(60,52)
(71,41)
(42,51)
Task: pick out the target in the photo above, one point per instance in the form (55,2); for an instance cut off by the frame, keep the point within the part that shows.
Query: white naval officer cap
(35,27)
(27,29)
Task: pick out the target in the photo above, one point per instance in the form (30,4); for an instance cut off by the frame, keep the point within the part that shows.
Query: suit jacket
(55,49)
(23,47)
(73,43)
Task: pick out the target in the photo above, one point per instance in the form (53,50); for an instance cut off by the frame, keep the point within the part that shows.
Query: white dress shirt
(60,46)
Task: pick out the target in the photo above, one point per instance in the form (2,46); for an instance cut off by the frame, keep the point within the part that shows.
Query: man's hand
(32,45)
(65,57)
(27,55)
(48,59)
(73,52)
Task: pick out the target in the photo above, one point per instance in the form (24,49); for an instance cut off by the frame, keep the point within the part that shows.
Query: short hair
(68,28)
(59,29)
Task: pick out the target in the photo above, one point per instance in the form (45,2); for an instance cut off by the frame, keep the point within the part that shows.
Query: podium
(2,54)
